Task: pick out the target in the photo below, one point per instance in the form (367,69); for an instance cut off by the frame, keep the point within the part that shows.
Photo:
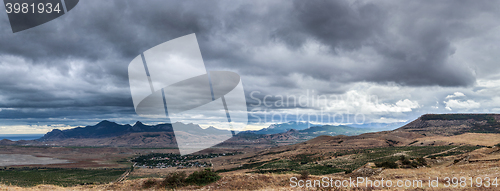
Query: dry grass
(239,180)
(486,139)
(157,172)
(246,181)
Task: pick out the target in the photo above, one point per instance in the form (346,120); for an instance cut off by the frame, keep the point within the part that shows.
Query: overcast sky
(414,57)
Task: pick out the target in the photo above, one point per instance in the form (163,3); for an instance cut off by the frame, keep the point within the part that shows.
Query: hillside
(427,130)
(430,134)
(454,124)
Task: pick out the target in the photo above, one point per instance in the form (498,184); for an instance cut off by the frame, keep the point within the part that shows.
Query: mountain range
(106,129)
(284,127)
(108,133)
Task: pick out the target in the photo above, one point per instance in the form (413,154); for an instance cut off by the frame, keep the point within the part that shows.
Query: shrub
(387,164)
(404,160)
(202,177)
(149,183)
(422,161)
(415,164)
(174,180)
(497,145)
(304,174)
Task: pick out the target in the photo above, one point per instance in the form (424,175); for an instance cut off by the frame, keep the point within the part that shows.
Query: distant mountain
(107,129)
(380,126)
(104,129)
(284,127)
(108,133)
(305,130)
(334,130)
(293,136)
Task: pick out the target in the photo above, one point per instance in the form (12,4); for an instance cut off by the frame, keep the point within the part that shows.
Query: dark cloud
(338,24)
(80,60)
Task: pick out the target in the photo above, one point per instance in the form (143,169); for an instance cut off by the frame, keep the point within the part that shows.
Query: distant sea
(17,137)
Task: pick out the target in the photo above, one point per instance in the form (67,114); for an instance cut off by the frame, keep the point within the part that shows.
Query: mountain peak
(106,122)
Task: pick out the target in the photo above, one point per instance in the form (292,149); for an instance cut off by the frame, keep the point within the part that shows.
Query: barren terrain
(476,164)
(81,157)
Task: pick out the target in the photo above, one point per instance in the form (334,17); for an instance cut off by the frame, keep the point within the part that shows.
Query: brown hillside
(428,130)
(454,124)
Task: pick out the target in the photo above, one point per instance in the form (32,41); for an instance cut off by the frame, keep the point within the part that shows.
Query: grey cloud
(414,42)
(338,24)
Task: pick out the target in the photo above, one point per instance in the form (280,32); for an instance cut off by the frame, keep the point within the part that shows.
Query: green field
(60,177)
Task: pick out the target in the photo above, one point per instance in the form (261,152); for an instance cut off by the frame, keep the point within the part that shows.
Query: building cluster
(169,160)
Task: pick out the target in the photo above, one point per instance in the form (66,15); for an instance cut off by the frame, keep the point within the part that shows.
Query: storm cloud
(75,67)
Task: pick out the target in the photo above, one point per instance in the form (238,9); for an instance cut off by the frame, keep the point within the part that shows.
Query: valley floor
(478,165)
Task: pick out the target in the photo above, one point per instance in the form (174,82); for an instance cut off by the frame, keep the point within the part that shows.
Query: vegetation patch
(149,183)
(174,180)
(386,164)
(457,151)
(247,166)
(491,126)
(179,179)
(477,117)
(203,177)
(349,160)
(26,177)
(291,166)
